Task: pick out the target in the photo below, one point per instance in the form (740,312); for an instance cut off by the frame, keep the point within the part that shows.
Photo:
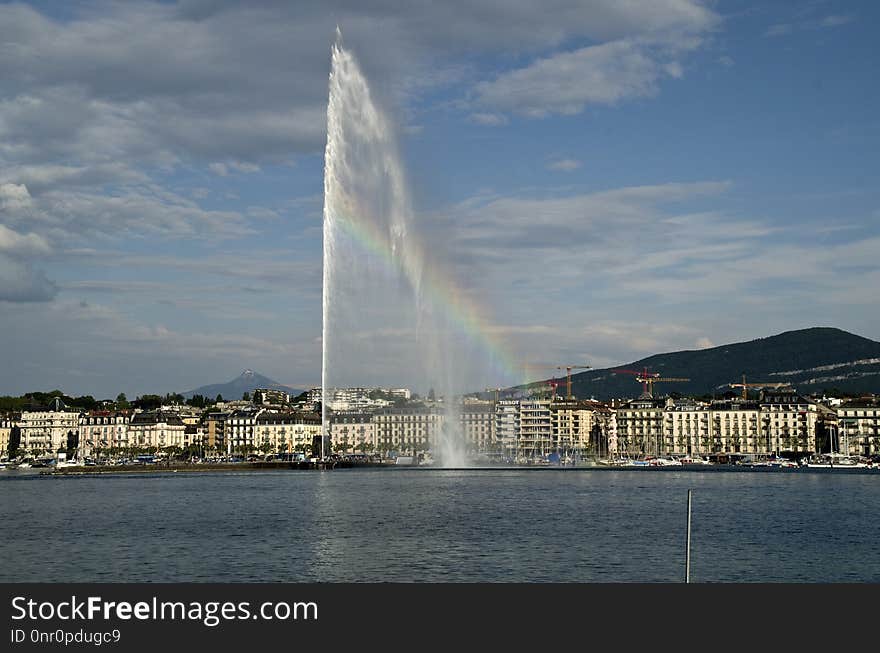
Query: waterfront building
(6,426)
(103,429)
(277,432)
(353,432)
(156,429)
(640,427)
(240,428)
(48,429)
(411,428)
(735,426)
(507,426)
(535,429)
(858,427)
(214,426)
(576,430)
(478,425)
(687,428)
(789,421)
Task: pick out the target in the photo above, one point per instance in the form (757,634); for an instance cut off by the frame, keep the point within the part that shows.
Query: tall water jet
(379,285)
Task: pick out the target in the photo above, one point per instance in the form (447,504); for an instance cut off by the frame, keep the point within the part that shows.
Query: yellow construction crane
(745,386)
(568,369)
(648,381)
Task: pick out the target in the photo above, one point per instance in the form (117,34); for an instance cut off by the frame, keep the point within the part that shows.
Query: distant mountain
(247,381)
(812,360)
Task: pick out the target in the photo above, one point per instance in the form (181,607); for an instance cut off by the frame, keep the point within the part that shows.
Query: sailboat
(836,459)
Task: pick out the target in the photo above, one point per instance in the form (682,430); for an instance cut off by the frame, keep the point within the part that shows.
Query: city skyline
(608,182)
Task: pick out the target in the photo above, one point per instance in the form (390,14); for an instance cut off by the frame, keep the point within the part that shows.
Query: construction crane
(640,376)
(495,390)
(745,386)
(648,379)
(568,369)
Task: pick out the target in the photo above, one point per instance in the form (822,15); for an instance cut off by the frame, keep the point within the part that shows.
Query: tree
(246,396)
(198,401)
(86,401)
(431,395)
(147,402)
(72,443)
(14,442)
(121,400)
(218,399)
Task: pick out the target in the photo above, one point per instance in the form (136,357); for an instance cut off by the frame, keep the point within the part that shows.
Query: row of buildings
(516,429)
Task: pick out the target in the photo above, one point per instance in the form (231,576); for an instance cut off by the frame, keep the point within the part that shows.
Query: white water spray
(374,305)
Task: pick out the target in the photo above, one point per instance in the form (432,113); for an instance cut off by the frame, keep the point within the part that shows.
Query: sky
(607,179)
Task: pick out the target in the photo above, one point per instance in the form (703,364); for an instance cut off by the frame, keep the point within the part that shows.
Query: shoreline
(310,466)
(97,470)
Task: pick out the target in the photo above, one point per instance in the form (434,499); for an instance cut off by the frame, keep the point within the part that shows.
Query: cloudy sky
(610,178)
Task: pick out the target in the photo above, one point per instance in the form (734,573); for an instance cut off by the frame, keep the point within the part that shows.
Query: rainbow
(465,315)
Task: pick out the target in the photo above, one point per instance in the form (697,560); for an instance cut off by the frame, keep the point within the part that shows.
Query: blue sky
(608,180)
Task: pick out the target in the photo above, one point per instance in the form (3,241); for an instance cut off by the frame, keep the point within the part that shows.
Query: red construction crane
(648,379)
(640,376)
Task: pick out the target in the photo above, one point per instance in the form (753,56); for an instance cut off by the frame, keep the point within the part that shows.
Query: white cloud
(565,165)
(566,83)
(826,22)
(835,21)
(780,29)
(14,197)
(489,119)
(71,214)
(223,169)
(219,169)
(13,243)
(19,282)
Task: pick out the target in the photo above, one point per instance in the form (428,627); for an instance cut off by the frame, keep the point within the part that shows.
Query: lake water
(402,525)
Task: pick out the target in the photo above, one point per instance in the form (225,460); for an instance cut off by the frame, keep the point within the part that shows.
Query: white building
(285,432)
(858,427)
(240,430)
(47,430)
(6,426)
(103,430)
(156,429)
(407,429)
(478,425)
(507,426)
(353,432)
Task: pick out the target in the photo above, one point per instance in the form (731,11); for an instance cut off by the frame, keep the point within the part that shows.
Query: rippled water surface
(441,526)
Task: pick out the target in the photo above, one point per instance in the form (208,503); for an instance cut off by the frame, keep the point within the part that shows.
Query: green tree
(197,401)
(147,402)
(121,401)
(86,401)
(218,399)
(14,445)
(246,396)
